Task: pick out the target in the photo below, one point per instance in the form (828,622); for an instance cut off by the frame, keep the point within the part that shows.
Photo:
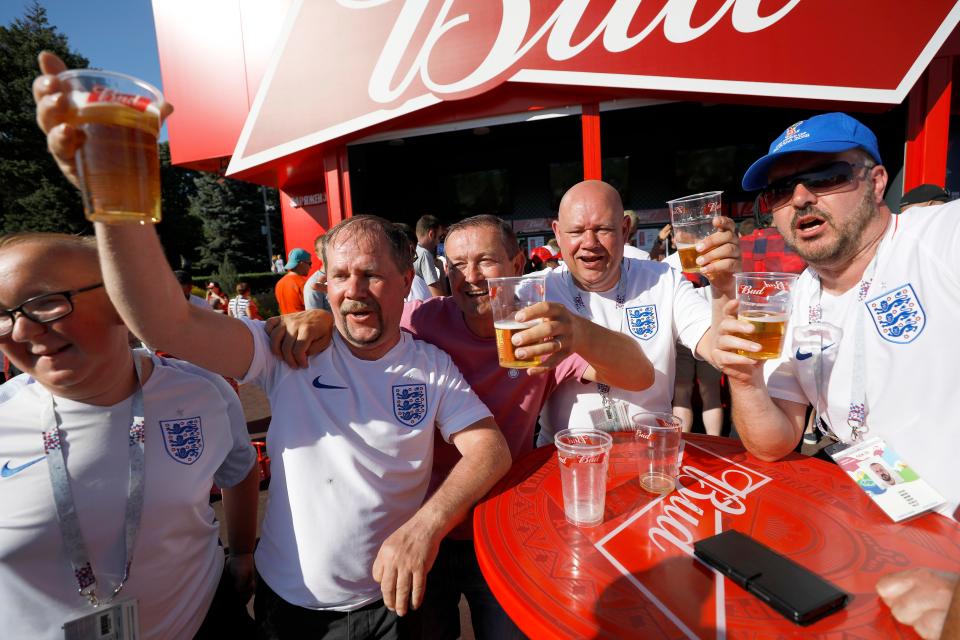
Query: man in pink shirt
(461,324)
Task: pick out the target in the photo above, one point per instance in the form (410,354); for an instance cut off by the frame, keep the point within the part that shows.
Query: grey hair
(366,225)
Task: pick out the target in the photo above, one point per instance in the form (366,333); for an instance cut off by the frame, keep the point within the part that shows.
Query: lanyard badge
(66,509)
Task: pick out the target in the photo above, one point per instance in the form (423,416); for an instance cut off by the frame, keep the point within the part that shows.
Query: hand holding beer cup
(691,219)
(102,130)
(508,296)
(764,299)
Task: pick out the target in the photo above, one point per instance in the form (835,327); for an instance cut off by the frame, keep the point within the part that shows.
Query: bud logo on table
(710,492)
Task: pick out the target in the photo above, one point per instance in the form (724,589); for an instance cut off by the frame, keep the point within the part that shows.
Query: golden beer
(117,164)
(688,258)
(768,332)
(505,349)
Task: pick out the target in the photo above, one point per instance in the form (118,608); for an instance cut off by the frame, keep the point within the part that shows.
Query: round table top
(634,575)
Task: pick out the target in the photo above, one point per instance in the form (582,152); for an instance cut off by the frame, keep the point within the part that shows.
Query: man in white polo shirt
(872,340)
(652,303)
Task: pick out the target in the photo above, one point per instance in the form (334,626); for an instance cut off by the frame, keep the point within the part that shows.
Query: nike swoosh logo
(804,356)
(320,385)
(8,471)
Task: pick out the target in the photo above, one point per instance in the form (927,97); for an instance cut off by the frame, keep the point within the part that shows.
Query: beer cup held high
(691,219)
(507,297)
(118,163)
(765,303)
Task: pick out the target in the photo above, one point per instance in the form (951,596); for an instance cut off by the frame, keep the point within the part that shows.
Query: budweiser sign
(352,64)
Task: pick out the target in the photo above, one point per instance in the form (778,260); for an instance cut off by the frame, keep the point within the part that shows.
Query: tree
(179,231)
(231,213)
(33,193)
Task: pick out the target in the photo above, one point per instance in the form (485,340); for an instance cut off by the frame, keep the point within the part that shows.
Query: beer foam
(513,324)
(760,316)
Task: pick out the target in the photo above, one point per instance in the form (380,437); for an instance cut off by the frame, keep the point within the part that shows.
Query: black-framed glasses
(43,308)
(821,181)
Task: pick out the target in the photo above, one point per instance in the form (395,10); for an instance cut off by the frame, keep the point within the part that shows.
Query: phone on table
(797,593)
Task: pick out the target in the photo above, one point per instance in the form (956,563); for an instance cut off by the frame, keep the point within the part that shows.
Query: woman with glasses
(108,455)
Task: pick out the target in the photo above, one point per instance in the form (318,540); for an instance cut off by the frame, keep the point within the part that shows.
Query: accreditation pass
(118,621)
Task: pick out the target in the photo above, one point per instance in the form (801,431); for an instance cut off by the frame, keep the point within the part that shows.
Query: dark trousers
(227,616)
(456,572)
(277,619)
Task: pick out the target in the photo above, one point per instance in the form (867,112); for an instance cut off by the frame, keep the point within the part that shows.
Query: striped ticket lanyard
(856,414)
(584,310)
(66,509)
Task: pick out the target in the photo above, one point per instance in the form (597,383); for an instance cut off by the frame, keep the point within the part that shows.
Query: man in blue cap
(876,306)
(289,289)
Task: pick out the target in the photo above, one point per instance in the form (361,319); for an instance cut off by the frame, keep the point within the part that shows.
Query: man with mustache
(348,538)
(876,307)
(570,347)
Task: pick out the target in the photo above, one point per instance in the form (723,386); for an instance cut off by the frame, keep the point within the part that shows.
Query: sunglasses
(820,181)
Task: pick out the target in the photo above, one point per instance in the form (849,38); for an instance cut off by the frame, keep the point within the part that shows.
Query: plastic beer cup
(507,297)
(691,220)
(658,450)
(118,163)
(584,457)
(765,303)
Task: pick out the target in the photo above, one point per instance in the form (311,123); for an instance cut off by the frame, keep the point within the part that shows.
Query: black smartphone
(799,594)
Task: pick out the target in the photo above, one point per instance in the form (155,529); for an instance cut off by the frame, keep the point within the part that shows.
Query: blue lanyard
(66,509)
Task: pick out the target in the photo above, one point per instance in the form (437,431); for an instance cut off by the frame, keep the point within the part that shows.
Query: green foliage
(179,231)
(231,213)
(266,302)
(226,277)
(206,219)
(33,193)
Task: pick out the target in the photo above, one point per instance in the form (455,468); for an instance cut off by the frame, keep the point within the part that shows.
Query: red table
(634,576)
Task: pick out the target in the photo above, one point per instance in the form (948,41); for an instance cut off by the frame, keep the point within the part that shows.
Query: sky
(112,34)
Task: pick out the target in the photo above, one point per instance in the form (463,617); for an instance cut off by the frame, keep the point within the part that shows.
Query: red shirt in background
(289,292)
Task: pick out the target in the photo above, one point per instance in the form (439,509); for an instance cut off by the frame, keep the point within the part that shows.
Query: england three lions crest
(898,314)
(183,439)
(642,321)
(410,403)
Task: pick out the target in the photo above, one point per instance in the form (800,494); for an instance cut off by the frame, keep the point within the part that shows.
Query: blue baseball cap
(826,133)
(295,257)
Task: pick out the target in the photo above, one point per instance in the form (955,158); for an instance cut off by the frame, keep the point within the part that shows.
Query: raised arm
(615,358)
(769,428)
(135,270)
(406,556)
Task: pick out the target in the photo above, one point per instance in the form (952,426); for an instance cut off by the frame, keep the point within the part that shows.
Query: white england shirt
(910,317)
(351,447)
(660,306)
(177,561)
